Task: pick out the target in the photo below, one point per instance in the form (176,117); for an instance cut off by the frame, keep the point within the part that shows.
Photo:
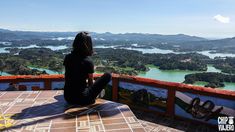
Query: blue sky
(206,18)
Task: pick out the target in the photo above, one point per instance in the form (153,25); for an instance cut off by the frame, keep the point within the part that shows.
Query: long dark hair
(82,44)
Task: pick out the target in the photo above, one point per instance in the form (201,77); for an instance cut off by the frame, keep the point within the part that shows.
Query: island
(23,53)
(214,80)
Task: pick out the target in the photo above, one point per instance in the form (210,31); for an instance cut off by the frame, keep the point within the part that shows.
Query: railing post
(47,84)
(115,83)
(171,102)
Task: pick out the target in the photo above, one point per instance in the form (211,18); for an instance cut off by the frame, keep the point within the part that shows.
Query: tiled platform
(161,123)
(43,111)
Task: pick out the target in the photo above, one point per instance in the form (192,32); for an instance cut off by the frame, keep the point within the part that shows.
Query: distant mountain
(6,35)
(226,45)
(148,37)
(4,30)
(225,42)
(178,42)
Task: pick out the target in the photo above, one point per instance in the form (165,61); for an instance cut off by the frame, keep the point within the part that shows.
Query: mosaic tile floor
(42,111)
(161,123)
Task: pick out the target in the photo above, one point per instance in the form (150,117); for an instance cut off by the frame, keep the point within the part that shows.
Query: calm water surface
(154,72)
(178,76)
(162,51)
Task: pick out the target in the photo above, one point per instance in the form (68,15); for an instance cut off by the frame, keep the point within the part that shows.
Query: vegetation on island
(28,51)
(119,61)
(227,65)
(215,80)
(34,57)
(134,61)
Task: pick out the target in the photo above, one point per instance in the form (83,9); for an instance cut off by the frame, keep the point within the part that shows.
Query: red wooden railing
(171,87)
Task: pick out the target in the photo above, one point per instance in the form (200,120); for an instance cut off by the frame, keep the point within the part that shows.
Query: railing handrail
(172,89)
(133,79)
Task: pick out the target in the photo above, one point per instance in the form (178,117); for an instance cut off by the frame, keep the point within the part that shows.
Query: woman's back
(79,70)
(76,73)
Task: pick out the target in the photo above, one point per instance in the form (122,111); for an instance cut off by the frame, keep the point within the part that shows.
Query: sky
(204,18)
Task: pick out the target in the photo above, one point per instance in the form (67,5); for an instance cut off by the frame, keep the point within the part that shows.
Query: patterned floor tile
(44,111)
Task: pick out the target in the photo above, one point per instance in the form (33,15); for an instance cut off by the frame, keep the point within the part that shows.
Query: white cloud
(221,18)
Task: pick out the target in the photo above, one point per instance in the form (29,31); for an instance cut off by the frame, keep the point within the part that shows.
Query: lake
(5,74)
(166,75)
(172,75)
(213,55)
(44,69)
(178,76)
(134,47)
(154,72)
(54,48)
(163,51)
(3,50)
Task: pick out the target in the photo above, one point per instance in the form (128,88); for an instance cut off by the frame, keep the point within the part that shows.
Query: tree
(56,66)
(2,66)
